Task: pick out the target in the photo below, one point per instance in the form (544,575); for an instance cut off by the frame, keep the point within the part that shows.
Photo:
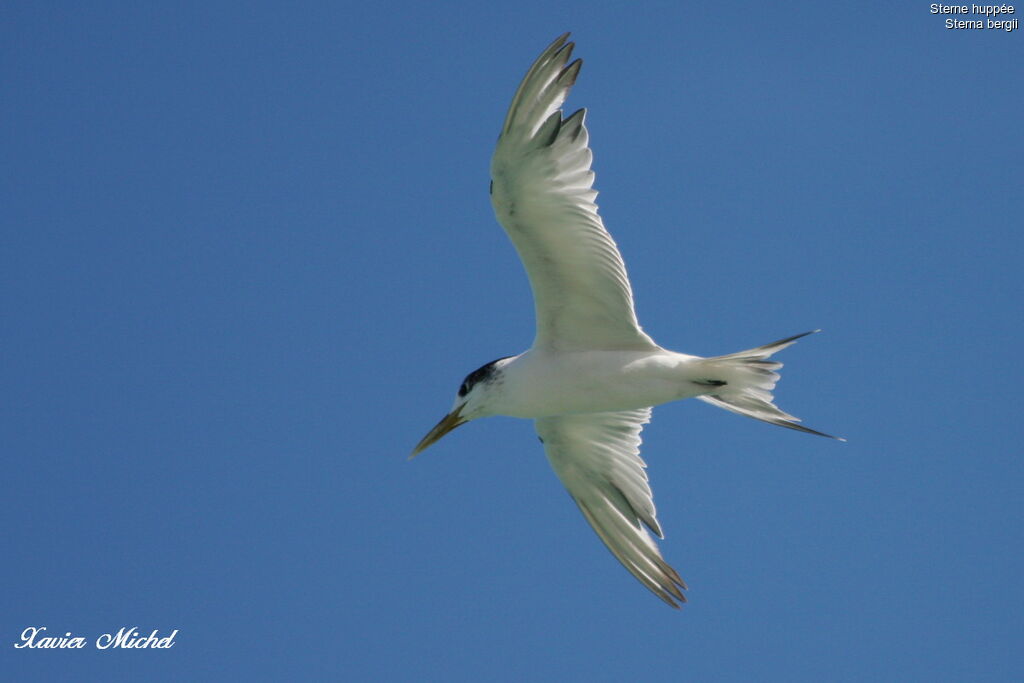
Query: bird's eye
(463,389)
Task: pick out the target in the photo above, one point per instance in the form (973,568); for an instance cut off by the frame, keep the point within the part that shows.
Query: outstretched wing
(541,189)
(597,457)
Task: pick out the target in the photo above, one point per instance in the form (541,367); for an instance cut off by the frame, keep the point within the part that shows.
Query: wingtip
(672,600)
(560,43)
(678,602)
(571,72)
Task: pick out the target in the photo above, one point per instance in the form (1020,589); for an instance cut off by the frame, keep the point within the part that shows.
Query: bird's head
(471,402)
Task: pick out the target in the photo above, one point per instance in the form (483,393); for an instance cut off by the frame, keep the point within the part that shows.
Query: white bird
(592,375)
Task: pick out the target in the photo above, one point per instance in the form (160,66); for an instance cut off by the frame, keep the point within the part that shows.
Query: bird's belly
(542,385)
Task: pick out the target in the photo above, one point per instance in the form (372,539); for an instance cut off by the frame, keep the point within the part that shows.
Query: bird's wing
(541,189)
(597,457)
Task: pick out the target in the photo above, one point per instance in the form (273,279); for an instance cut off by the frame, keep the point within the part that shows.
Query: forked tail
(749,378)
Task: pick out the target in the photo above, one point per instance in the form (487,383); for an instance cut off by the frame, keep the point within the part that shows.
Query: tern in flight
(592,375)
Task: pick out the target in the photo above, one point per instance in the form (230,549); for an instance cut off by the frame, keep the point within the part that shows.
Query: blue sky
(248,256)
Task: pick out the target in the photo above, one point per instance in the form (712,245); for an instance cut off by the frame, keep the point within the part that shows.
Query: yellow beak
(447,424)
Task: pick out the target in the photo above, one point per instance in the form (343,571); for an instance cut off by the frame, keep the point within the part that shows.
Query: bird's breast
(545,383)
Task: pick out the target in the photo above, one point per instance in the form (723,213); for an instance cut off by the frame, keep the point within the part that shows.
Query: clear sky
(248,256)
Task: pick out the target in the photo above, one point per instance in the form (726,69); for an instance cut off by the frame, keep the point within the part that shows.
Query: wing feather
(597,457)
(542,192)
